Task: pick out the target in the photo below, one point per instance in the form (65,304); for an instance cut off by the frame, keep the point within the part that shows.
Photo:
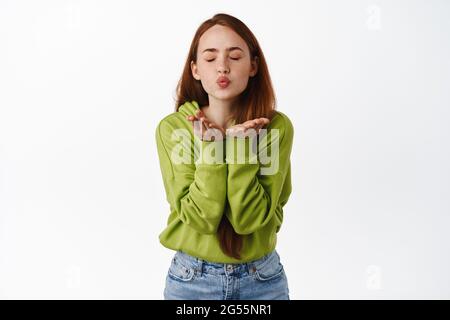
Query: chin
(225,95)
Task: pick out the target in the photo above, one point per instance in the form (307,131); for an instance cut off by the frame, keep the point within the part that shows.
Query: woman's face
(222,52)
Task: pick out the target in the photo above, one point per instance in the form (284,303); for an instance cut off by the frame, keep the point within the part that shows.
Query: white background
(84,83)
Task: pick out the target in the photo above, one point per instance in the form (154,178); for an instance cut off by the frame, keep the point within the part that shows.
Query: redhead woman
(224,154)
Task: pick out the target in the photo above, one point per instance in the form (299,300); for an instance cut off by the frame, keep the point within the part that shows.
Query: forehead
(220,37)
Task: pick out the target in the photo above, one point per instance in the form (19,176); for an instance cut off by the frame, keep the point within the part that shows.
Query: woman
(226,193)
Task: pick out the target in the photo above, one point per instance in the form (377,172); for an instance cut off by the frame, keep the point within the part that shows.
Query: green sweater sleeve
(258,188)
(195,190)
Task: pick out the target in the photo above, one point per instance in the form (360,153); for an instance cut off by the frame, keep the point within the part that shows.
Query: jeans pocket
(270,270)
(180,272)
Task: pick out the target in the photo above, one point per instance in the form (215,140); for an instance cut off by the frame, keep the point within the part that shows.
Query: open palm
(209,131)
(243,129)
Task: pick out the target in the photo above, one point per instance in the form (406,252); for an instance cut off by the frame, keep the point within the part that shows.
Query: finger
(246,132)
(200,114)
(258,121)
(207,123)
(192,119)
(259,128)
(249,124)
(264,121)
(238,132)
(198,124)
(257,124)
(251,132)
(204,128)
(231,132)
(261,123)
(202,117)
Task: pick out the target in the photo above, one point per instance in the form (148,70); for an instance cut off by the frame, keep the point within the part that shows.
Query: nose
(222,66)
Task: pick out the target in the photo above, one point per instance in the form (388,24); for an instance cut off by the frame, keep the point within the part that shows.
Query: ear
(254,66)
(194,71)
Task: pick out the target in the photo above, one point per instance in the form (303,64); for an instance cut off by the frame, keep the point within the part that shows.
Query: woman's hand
(205,129)
(241,130)
(210,131)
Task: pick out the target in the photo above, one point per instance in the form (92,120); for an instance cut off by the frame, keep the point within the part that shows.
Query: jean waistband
(224,268)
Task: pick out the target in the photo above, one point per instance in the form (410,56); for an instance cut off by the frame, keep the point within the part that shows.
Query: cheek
(208,82)
(204,68)
(207,71)
(243,70)
(242,83)
(242,73)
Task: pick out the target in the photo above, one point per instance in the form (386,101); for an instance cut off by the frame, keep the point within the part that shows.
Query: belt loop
(200,266)
(251,267)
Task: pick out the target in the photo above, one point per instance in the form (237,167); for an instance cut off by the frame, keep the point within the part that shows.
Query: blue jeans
(192,278)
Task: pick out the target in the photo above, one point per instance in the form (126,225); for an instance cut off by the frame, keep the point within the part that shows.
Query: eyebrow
(228,49)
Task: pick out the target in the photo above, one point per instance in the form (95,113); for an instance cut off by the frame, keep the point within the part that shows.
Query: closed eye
(230,58)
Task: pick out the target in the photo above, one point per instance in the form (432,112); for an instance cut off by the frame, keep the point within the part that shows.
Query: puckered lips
(223,81)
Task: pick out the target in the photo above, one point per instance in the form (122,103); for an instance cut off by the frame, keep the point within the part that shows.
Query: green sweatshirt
(199,191)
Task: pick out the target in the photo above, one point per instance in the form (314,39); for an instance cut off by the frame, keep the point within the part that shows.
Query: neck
(220,111)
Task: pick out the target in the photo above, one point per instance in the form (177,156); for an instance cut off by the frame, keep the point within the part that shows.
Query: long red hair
(258,100)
